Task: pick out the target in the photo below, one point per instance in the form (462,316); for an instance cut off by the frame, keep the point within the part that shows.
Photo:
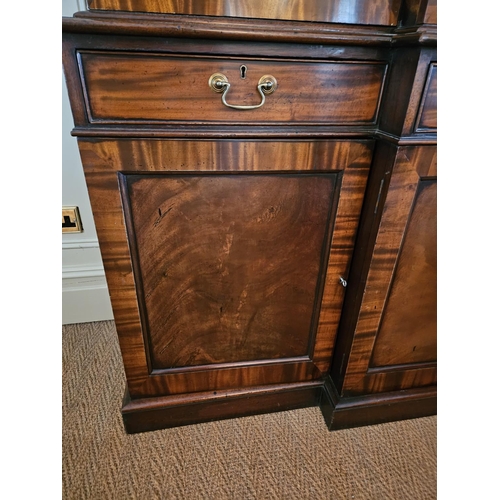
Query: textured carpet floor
(288,455)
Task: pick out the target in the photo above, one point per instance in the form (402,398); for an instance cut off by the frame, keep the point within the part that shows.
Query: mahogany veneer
(149,88)
(270,258)
(359,12)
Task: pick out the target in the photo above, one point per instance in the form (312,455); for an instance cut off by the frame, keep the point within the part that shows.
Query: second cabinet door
(394,344)
(224,258)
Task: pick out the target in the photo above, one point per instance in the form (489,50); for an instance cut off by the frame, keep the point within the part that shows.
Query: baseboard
(85,296)
(86,304)
(344,413)
(151,414)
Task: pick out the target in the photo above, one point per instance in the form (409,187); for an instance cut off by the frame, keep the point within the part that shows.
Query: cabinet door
(395,332)
(223,258)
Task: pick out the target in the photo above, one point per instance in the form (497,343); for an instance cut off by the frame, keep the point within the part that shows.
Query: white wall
(84,292)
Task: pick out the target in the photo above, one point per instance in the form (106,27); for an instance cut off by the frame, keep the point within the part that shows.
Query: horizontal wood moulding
(370,409)
(198,45)
(148,414)
(226,131)
(142,88)
(420,35)
(383,12)
(223,28)
(429,138)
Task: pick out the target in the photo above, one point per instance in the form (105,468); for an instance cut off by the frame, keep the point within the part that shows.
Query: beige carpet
(288,455)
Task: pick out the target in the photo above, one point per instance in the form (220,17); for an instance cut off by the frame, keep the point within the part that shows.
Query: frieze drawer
(150,88)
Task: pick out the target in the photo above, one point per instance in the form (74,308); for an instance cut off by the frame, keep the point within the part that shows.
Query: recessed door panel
(229,265)
(407,333)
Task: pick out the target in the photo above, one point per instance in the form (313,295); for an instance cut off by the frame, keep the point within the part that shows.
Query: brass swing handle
(219,83)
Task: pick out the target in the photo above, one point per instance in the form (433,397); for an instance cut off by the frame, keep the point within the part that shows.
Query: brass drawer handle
(219,83)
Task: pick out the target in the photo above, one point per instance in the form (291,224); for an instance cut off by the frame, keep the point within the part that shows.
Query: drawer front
(427,116)
(121,88)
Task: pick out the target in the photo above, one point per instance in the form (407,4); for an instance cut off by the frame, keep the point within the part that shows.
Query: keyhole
(243,71)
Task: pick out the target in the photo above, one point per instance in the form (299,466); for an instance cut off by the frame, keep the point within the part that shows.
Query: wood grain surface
(413,165)
(147,88)
(226,234)
(195,28)
(361,12)
(103,159)
(406,81)
(407,332)
(370,409)
(230,265)
(427,118)
(415,12)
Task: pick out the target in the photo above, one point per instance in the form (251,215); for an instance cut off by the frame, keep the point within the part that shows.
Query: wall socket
(71,222)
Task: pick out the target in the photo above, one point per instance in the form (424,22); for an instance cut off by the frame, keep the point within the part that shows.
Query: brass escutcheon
(217,82)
